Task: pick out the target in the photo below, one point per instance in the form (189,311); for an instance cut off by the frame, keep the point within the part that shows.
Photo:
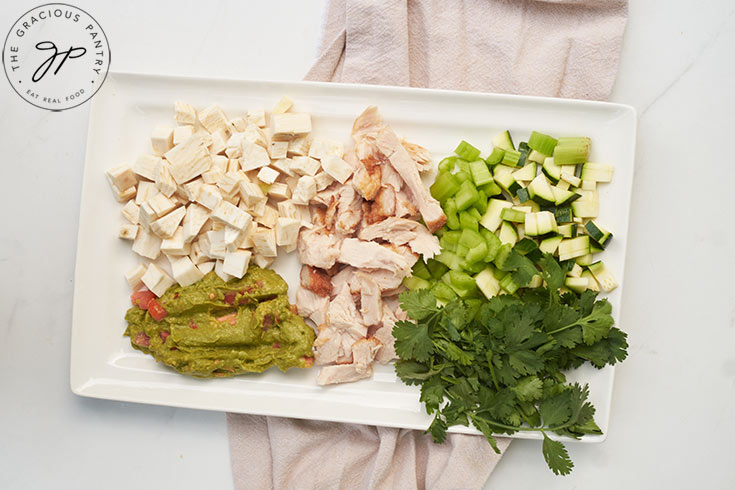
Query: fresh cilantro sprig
(500,364)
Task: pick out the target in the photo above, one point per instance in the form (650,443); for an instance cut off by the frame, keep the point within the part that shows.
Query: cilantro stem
(526,429)
(492,371)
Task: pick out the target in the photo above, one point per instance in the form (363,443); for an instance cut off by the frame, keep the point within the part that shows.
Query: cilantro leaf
(454,353)
(521,268)
(486,430)
(413,341)
(551,272)
(556,456)
(438,428)
(607,351)
(432,393)
(528,389)
(412,372)
(597,324)
(418,304)
(556,410)
(525,362)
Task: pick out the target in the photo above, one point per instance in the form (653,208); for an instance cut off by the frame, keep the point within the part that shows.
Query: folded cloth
(561,48)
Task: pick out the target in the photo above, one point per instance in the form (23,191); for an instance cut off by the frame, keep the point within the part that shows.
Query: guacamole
(217,328)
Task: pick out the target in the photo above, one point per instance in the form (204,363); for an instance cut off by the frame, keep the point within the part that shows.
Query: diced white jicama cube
(184,271)
(288,125)
(219,270)
(323,180)
(209,196)
(176,245)
(191,189)
(123,195)
(229,183)
(267,175)
(279,149)
(217,247)
(264,242)
(157,280)
(263,261)
(188,160)
(146,190)
(145,166)
(234,237)
(253,134)
(287,231)
(182,133)
(253,156)
(259,208)
(305,166)
(305,190)
(236,263)
(283,165)
(135,276)
(196,216)
(212,175)
(206,267)
(251,193)
(287,209)
(184,113)
(269,217)
(257,117)
(221,162)
(196,255)
(303,214)
(162,139)
(283,105)
(213,118)
(219,141)
(146,215)
(128,231)
(231,215)
(233,166)
(164,181)
(238,124)
(279,190)
(165,227)
(160,204)
(323,147)
(233,148)
(122,177)
(337,168)
(130,211)
(299,146)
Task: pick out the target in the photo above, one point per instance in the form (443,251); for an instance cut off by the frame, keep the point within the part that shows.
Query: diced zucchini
(492,217)
(598,172)
(563,185)
(535,156)
(585,260)
(480,173)
(576,284)
(603,276)
(508,233)
(588,185)
(591,281)
(542,143)
(523,195)
(571,248)
(536,282)
(598,233)
(551,170)
(568,230)
(540,223)
(487,283)
(466,151)
(583,208)
(527,173)
(540,191)
(504,141)
(563,197)
(576,271)
(571,179)
(514,215)
(549,245)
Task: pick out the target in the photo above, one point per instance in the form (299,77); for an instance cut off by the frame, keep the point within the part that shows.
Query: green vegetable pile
(499,363)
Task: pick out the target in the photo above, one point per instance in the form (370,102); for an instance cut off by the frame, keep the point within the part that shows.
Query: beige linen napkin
(554,48)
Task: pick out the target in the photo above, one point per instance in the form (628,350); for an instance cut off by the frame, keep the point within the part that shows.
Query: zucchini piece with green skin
(536,282)
(563,214)
(466,195)
(595,247)
(584,208)
(506,182)
(540,223)
(597,172)
(568,230)
(487,283)
(591,281)
(585,260)
(576,284)
(508,233)
(445,186)
(598,233)
(537,157)
(504,141)
(564,197)
(523,195)
(571,248)
(576,271)
(492,219)
(466,151)
(526,173)
(480,173)
(540,191)
(495,157)
(551,170)
(603,276)
(514,215)
(543,143)
(549,245)
(502,256)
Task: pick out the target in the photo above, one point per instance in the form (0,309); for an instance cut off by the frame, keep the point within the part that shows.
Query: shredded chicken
(316,280)
(371,255)
(319,248)
(342,373)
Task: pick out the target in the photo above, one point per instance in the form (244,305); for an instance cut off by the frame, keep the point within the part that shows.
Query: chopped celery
(420,270)
(477,253)
(415,282)
(468,220)
(462,283)
(507,284)
(511,157)
(466,151)
(491,189)
(450,259)
(461,176)
(436,268)
(496,156)
(443,292)
(542,143)
(493,244)
(481,204)
(470,238)
(447,164)
(450,210)
(502,255)
(445,185)
(571,151)
(480,173)
(463,165)
(466,195)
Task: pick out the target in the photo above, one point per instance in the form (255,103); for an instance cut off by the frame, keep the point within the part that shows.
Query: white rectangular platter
(123,113)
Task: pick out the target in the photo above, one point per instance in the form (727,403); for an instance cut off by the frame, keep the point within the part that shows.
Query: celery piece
(495,157)
(462,283)
(466,151)
(450,210)
(445,185)
(493,244)
(419,270)
(461,176)
(466,195)
(442,291)
(470,238)
(481,204)
(415,282)
(449,259)
(447,164)
(511,157)
(571,151)
(542,143)
(436,268)
(502,255)
(480,173)
(477,253)
(491,189)
(467,220)
(461,250)
(508,285)
(450,239)
(473,268)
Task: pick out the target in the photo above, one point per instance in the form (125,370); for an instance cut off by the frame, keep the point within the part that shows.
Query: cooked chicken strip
(318,248)
(371,255)
(341,373)
(349,210)
(363,353)
(419,154)
(342,314)
(316,280)
(371,305)
(311,305)
(385,335)
(327,345)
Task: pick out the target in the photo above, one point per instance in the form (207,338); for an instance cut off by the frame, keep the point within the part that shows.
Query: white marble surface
(672,424)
